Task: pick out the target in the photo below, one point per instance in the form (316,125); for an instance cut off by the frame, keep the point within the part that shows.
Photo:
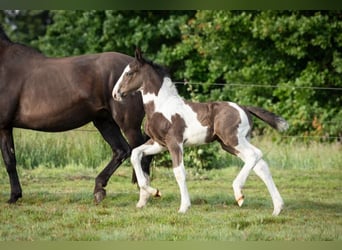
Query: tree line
(289,62)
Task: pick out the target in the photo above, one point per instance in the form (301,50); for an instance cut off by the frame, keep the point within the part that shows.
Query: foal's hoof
(277,210)
(99,196)
(140,204)
(240,200)
(157,194)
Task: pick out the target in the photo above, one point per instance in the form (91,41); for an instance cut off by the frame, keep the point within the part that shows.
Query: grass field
(57,203)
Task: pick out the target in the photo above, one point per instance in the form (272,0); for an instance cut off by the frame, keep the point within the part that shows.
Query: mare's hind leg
(110,131)
(8,154)
(262,170)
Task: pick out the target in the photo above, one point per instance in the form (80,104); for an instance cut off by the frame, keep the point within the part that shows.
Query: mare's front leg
(176,151)
(129,116)
(149,148)
(121,150)
(8,154)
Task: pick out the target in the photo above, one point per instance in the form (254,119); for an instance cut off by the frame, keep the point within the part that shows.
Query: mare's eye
(129,73)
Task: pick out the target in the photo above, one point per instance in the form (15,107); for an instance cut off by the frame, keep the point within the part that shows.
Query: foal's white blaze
(118,83)
(169,103)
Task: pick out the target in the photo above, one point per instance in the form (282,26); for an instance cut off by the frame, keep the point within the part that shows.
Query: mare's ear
(138,55)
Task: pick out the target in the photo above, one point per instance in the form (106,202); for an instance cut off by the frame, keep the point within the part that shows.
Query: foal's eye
(129,73)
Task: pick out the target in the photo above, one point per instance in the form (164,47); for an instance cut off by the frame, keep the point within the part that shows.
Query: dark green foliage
(279,60)
(289,62)
(289,55)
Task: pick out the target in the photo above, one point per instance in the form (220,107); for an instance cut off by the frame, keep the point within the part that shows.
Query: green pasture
(57,201)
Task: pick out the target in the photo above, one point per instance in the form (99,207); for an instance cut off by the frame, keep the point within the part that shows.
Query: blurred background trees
(289,62)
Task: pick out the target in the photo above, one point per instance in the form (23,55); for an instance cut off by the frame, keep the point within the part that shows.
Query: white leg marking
(143,196)
(250,155)
(180,175)
(262,170)
(143,181)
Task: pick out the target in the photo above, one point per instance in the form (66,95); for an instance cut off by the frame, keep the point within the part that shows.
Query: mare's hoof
(14,197)
(99,196)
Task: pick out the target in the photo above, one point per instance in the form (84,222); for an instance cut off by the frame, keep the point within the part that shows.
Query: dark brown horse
(173,123)
(59,94)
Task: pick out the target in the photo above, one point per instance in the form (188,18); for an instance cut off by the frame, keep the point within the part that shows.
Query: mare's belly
(54,121)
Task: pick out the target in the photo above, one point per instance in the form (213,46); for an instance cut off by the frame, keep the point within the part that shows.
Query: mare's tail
(270,118)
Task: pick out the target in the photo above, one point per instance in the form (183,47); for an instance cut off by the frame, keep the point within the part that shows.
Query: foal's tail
(270,118)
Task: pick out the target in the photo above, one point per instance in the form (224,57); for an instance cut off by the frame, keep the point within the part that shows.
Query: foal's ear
(138,55)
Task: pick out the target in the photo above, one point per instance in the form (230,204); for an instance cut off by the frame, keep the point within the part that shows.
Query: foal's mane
(161,70)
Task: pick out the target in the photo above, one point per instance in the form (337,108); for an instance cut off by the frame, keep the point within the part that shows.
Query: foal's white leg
(181,180)
(262,170)
(250,155)
(149,148)
(143,195)
(176,152)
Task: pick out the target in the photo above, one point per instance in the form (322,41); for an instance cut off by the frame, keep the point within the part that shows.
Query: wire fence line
(260,85)
(282,136)
(303,137)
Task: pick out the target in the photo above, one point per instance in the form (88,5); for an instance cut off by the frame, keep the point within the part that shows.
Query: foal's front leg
(149,148)
(176,152)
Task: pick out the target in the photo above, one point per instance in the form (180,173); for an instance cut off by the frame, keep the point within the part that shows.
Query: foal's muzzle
(118,96)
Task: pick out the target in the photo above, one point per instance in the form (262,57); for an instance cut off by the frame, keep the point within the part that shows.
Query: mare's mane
(3,35)
(20,48)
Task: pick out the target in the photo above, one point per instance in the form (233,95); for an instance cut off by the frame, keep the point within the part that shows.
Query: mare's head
(139,75)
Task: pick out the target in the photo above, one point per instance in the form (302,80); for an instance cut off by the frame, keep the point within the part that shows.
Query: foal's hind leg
(262,170)
(8,154)
(121,150)
(250,155)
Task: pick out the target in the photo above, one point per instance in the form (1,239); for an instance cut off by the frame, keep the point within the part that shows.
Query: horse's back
(56,94)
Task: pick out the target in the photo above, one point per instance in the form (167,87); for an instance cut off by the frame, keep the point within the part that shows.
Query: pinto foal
(173,123)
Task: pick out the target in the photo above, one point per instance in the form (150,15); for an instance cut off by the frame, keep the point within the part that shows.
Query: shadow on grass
(313,206)
(41,197)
